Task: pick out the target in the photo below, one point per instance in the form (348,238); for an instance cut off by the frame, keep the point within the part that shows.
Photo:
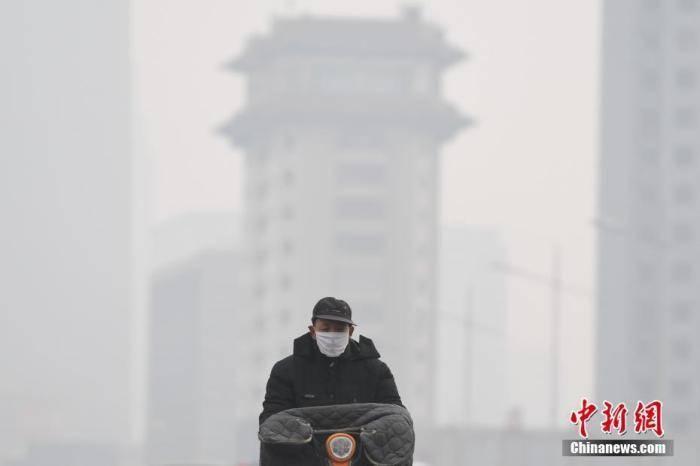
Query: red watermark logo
(647,417)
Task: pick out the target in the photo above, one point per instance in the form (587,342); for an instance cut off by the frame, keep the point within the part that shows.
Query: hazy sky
(530,82)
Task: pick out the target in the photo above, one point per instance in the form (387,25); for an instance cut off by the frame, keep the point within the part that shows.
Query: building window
(259,322)
(647,192)
(683,155)
(259,290)
(261,257)
(644,346)
(685,118)
(356,207)
(287,212)
(686,39)
(645,383)
(683,232)
(645,272)
(648,234)
(289,142)
(361,243)
(681,388)
(649,155)
(421,284)
(684,194)
(645,310)
(285,316)
(365,174)
(361,140)
(682,312)
(682,272)
(422,249)
(686,78)
(682,349)
(358,280)
(681,423)
(648,120)
(650,39)
(649,79)
(262,191)
(687,5)
(285,282)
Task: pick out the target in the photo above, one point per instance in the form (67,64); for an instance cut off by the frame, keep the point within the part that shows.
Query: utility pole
(470,326)
(468,323)
(557,287)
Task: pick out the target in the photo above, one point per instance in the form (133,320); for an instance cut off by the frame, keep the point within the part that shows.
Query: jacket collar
(306,346)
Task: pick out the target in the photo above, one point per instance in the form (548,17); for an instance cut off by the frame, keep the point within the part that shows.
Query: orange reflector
(340,448)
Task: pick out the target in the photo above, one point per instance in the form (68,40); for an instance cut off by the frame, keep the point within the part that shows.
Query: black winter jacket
(310,378)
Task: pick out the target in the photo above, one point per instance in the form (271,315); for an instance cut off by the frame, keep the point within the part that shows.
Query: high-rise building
(342,132)
(193,381)
(649,206)
(67,269)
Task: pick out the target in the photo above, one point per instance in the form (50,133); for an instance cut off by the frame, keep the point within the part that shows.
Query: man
(327,367)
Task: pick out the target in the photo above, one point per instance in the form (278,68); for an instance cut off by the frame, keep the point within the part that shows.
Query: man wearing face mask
(328,367)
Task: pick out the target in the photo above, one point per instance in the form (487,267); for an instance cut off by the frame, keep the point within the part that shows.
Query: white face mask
(332,344)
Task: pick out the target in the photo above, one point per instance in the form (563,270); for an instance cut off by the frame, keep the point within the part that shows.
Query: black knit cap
(331,308)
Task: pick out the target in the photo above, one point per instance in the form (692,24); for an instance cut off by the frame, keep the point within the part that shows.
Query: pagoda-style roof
(431,117)
(398,101)
(408,37)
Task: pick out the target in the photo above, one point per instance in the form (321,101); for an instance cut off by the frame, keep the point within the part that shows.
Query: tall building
(342,131)
(194,380)
(67,269)
(649,206)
